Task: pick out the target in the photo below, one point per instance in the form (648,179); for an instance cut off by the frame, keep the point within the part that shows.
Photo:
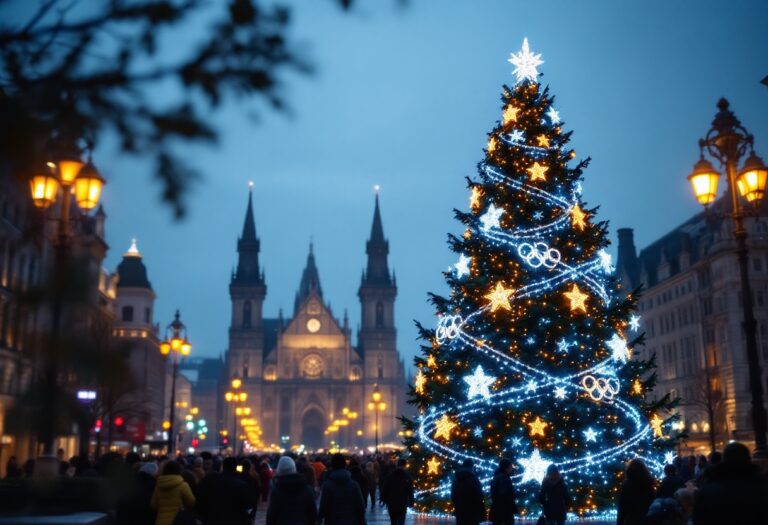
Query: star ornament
(590,435)
(491,218)
(443,427)
(479,384)
(619,349)
(535,467)
(431,362)
(537,171)
(525,63)
(553,115)
(499,297)
(634,322)
(433,466)
(462,267)
(538,426)
(474,197)
(577,298)
(421,382)
(543,140)
(656,423)
(578,218)
(510,114)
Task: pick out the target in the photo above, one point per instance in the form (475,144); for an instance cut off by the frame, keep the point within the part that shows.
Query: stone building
(692,317)
(136,331)
(302,371)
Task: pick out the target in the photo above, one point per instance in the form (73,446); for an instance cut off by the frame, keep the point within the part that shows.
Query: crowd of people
(722,489)
(215,490)
(337,490)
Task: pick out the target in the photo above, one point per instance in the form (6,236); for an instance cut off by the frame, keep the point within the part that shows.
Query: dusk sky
(403,98)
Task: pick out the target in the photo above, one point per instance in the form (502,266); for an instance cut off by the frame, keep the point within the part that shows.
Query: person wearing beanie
(291,500)
(341,502)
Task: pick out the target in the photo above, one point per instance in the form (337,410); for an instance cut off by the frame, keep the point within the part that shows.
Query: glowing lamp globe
(165,348)
(186,348)
(243,396)
(44,185)
(228,397)
(704,181)
(88,185)
(751,180)
(237,383)
(166,425)
(69,167)
(176,344)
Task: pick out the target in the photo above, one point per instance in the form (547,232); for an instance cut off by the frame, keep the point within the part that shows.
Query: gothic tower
(377,335)
(247,291)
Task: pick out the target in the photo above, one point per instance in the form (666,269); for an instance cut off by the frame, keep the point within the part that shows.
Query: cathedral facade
(302,373)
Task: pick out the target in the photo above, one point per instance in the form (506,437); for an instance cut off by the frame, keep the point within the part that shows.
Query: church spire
(310,280)
(248,248)
(377,248)
(249,226)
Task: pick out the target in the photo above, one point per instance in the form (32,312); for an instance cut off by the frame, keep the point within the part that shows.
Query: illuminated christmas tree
(532,357)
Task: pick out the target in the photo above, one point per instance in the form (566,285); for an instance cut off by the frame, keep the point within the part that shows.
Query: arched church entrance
(312,429)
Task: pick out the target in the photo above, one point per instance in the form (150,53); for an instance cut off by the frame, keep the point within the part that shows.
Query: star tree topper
(525,63)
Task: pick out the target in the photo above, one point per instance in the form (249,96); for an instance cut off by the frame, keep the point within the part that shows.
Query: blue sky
(404,98)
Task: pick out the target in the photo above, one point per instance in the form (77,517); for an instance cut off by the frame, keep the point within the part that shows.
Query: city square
(227,295)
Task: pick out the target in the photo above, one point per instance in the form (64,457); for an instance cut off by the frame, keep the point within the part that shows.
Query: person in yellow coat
(171,494)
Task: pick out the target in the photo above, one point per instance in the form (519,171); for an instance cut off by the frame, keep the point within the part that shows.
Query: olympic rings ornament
(538,254)
(449,327)
(600,388)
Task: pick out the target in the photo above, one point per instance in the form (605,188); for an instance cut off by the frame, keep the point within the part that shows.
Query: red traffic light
(97,425)
(195,442)
(225,441)
(119,421)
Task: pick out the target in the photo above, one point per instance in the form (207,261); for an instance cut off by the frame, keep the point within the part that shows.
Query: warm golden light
(165,348)
(751,180)
(194,411)
(166,425)
(44,186)
(186,348)
(88,185)
(704,179)
(243,396)
(237,383)
(176,344)
(69,168)
(228,396)
(376,396)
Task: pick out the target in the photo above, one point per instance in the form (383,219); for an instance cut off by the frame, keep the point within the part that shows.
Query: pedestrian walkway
(379,516)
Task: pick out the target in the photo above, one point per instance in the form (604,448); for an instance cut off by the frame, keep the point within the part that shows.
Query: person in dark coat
(359,477)
(136,510)
(467,496)
(503,506)
(636,494)
(554,497)
(669,483)
(398,493)
(224,499)
(291,501)
(734,492)
(341,502)
(385,467)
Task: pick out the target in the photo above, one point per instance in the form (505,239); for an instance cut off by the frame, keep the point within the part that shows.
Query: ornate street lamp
(376,405)
(728,142)
(175,343)
(61,173)
(235,396)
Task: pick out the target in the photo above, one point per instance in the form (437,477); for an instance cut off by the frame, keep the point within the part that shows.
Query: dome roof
(131,271)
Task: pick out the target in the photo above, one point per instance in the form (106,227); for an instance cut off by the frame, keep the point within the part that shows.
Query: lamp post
(376,405)
(66,172)
(235,396)
(175,343)
(728,142)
